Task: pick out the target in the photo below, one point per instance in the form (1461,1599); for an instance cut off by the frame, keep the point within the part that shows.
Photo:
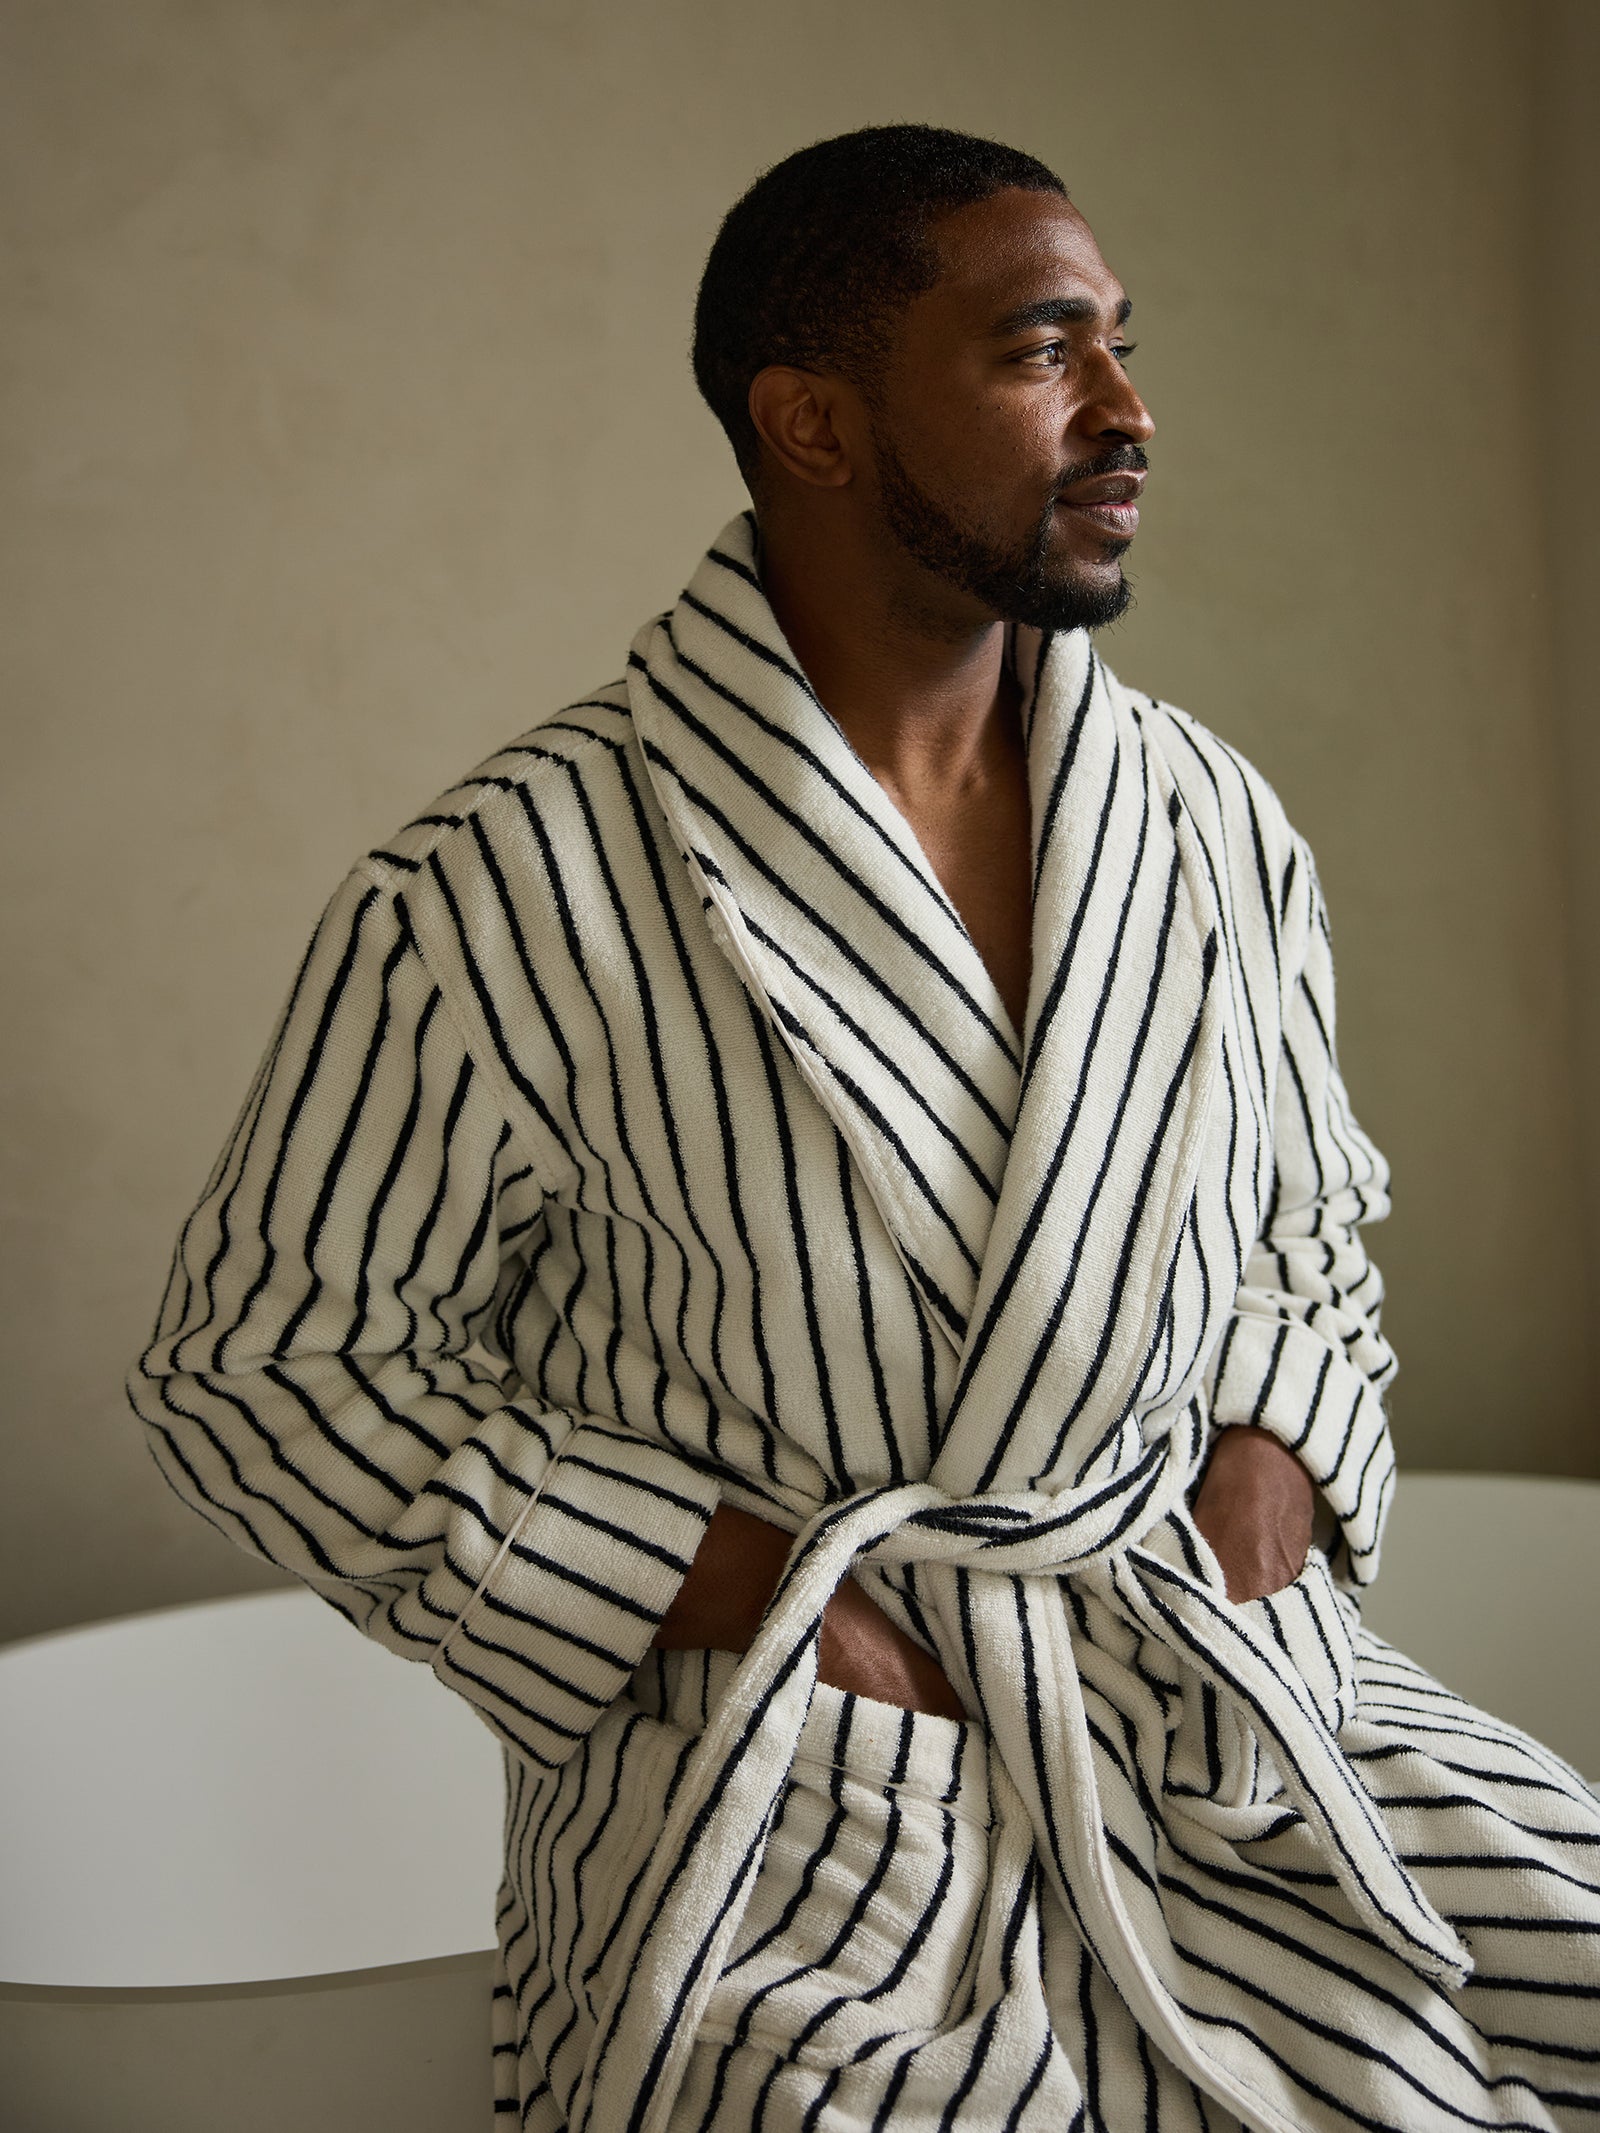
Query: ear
(796,417)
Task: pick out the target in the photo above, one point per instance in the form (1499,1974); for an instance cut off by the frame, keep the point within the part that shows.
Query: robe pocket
(1313,1624)
(1214,1754)
(863,1926)
(594,1835)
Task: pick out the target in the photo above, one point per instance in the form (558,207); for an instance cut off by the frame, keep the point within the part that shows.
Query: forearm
(735,1572)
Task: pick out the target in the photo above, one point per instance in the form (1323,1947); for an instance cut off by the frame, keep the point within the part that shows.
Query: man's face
(1007,437)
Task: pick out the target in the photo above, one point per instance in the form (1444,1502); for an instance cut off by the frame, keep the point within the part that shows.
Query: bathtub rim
(433,1966)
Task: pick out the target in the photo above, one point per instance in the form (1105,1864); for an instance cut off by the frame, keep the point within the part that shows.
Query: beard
(1019,583)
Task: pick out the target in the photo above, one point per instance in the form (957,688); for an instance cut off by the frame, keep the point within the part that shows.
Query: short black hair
(814,265)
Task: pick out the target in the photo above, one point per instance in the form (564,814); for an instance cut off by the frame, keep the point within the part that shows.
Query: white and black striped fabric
(645,1130)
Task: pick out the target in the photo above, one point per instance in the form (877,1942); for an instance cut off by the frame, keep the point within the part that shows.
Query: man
(763,1209)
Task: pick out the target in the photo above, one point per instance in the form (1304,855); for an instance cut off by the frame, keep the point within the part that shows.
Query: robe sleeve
(1303,1355)
(323,1384)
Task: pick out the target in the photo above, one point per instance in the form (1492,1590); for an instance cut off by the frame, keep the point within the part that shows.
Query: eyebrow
(1058,311)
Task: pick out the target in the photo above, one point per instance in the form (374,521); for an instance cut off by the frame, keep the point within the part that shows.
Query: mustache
(1121,459)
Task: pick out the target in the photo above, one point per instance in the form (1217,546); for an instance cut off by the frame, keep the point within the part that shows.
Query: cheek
(1020,442)
(1008,459)
(989,457)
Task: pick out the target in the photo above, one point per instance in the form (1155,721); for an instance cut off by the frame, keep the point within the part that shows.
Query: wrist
(1248,1449)
(730,1584)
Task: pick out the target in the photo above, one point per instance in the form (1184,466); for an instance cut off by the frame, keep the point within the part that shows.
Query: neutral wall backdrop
(347,424)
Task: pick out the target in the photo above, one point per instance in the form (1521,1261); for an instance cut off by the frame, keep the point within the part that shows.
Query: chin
(1085,600)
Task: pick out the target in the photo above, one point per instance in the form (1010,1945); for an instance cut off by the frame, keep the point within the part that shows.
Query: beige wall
(347,422)
(1565,306)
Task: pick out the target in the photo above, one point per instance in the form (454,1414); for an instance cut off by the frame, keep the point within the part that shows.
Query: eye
(1052,354)
(1123,349)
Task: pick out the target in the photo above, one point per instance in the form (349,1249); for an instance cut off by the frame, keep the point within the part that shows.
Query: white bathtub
(247,1860)
(247,1874)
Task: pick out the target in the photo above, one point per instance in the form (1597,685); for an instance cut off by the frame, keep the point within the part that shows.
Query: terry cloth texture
(644,1130)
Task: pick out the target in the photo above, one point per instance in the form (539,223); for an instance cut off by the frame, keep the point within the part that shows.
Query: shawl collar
(1037,1193)
(1124,1036)
(820,894)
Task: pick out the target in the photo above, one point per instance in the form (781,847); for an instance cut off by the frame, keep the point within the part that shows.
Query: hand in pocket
(864,1651)
(1255,1507)
(731,1580)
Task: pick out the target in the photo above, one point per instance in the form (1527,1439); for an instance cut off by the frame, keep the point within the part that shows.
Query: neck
(913,673)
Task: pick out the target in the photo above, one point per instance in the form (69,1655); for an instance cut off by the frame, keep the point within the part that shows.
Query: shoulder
(1261,864)
(1212,775)
(526,779)
(1218,784)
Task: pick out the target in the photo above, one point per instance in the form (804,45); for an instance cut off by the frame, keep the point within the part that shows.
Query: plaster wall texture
(1566,304)
(346,422)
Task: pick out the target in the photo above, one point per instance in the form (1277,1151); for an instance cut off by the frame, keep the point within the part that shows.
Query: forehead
(1001,255)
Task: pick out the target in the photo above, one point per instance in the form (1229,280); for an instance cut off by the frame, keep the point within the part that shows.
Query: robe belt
(1017,1544)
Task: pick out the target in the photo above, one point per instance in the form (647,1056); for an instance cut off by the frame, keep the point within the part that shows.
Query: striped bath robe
(644,1131)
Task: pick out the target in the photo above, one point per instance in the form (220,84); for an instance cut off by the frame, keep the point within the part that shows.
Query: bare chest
(978,846)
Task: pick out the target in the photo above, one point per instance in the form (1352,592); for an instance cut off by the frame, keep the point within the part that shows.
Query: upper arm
(1304,1354)
(317,1387)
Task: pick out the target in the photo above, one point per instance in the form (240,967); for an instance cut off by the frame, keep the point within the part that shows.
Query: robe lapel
(818,891)
(1123,1038)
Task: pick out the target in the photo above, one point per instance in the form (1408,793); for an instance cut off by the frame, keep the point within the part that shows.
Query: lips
(1107,502)
(1104,489)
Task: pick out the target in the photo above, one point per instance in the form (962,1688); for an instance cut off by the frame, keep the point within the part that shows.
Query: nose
(1113,410)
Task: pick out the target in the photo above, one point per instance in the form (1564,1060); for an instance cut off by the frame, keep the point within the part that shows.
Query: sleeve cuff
(563,1620)
(1283,1377)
